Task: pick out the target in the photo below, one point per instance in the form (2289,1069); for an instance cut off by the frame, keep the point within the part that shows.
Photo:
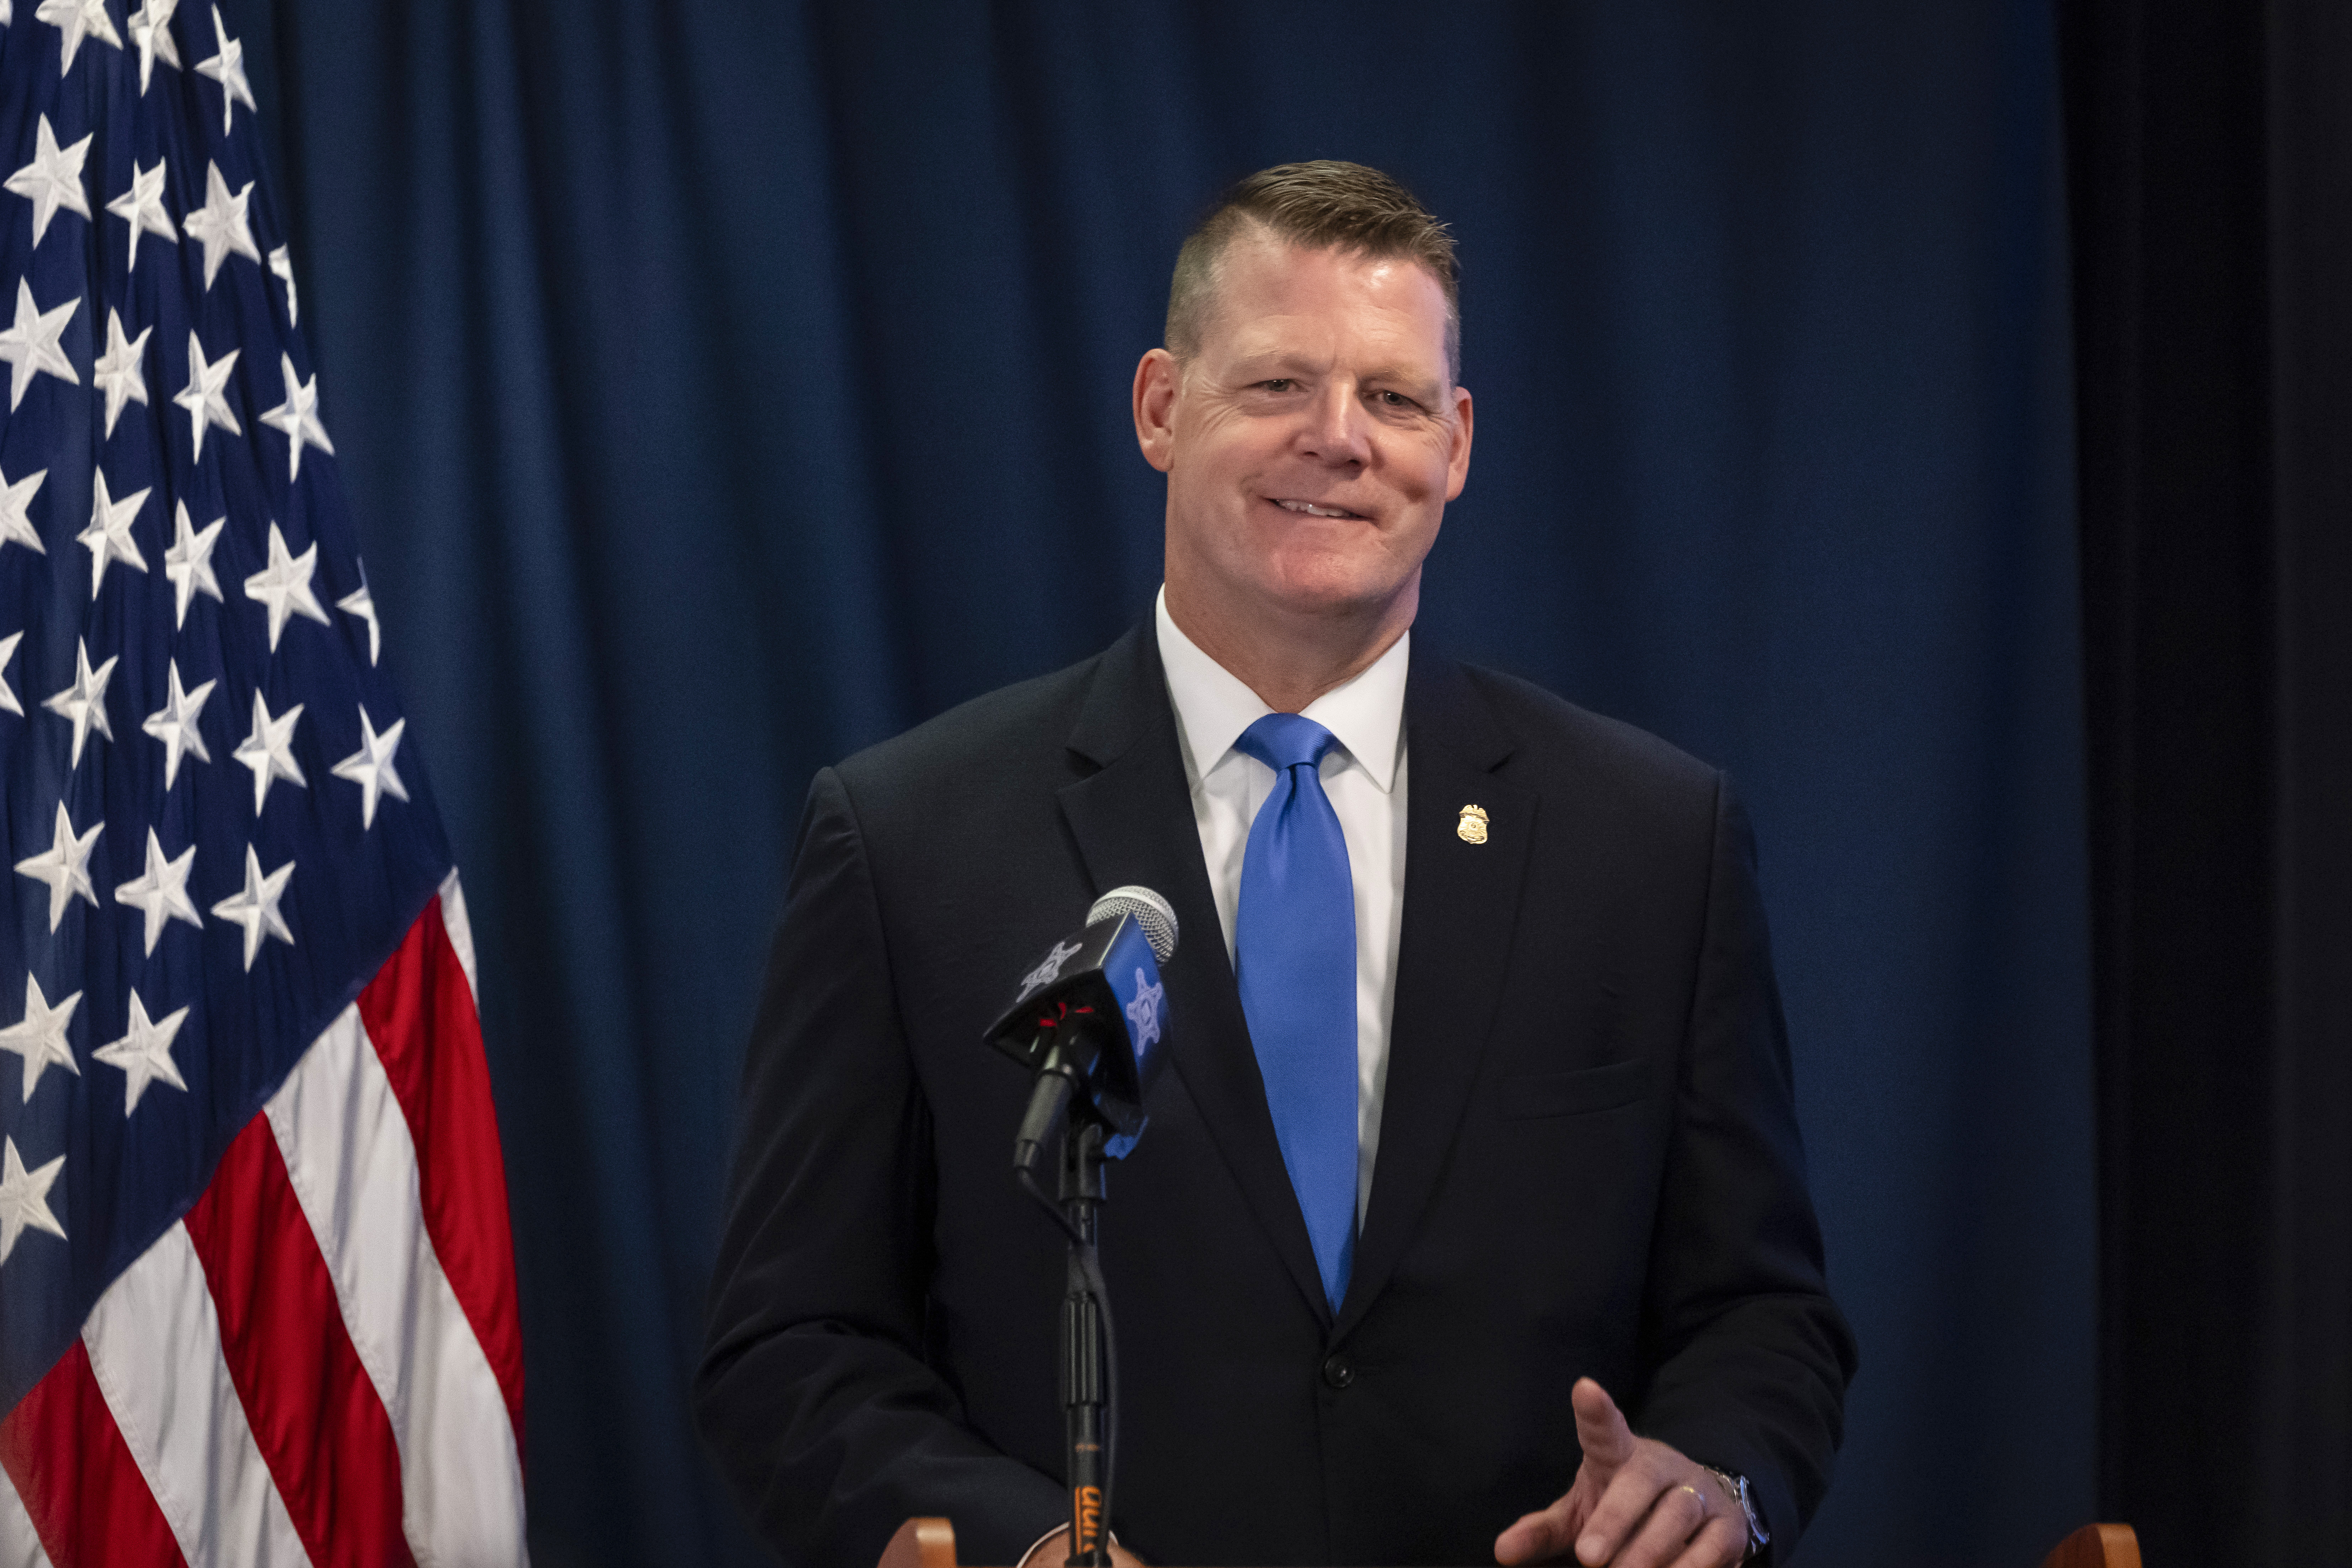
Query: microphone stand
(1087,1367)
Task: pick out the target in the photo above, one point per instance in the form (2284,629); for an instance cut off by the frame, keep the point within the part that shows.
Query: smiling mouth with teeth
(1311,510)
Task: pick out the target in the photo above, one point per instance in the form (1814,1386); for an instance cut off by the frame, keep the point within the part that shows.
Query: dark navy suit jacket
(1589,1157)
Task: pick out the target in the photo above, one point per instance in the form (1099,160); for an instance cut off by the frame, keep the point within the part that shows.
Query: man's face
(1312,442)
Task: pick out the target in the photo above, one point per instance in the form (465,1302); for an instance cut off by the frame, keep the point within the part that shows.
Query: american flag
(256,1288)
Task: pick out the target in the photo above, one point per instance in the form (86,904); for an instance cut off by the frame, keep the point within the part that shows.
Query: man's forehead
(1286,300)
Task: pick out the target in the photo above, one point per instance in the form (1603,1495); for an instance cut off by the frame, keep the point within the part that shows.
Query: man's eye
(1395,400)
(1279,383)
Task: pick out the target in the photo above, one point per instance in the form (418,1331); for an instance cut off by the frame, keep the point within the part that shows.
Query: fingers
(1601,1429)
(1540,1537)
(1684,1529)
(1719,1543)
(1658,1505)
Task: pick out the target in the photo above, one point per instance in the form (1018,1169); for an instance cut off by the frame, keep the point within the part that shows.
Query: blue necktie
(1294,957)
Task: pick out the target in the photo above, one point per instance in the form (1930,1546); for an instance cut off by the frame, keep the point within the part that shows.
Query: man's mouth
(1313,509)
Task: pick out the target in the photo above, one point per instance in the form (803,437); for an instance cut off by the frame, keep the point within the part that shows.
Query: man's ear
(1457,464)
(1156,380)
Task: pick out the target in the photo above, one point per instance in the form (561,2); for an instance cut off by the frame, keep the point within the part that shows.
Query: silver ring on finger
(1698,1497)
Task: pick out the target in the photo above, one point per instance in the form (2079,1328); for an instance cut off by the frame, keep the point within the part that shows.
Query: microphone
(1091,1021)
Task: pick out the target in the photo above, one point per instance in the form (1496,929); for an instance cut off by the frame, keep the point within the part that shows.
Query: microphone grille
(1150,912)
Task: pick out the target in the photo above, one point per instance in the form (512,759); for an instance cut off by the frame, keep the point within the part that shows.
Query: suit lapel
(1460,907)
(1133,823)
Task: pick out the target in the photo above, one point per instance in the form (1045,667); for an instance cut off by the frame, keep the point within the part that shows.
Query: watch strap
(1736,1487)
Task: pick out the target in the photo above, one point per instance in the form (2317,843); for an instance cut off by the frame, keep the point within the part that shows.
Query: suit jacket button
(1338,1371)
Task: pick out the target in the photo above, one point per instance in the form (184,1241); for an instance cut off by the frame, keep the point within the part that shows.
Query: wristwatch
(1736,1487)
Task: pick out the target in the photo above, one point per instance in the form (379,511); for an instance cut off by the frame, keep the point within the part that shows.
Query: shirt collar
(1213,707)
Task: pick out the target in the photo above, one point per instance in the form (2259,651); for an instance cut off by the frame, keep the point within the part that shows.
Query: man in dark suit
(1391,1262)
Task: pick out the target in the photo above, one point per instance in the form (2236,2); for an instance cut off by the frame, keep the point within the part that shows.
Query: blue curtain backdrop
(724,387)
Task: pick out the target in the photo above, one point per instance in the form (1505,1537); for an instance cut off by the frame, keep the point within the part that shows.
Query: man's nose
(1338,431)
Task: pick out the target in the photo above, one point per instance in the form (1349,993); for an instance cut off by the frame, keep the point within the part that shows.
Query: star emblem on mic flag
(119,371)
(39,1037)
(16,526)
(221,225)
(255,906)
(161,892)
(52,180)
(83,704)
(144,1053)
(78,20)
(63,865)
(142,206)
(371,767)
(109,533)
(284,586)
(1144,1010)
(189,562)
(298,417)
(150,35)
(31,345)
(202,397)
(24,1198)
(174,724)
(227,67)
(269,751)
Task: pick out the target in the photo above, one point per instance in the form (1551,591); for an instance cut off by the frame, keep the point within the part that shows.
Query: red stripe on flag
(75,1476)
(315,1416)
(420,1018)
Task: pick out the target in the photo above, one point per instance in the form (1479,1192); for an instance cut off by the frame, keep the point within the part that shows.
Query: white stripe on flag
(155,1347)
(353,1167)
(461,931)
(20,1543)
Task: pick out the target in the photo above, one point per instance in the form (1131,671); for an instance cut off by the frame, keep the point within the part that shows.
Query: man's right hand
(1636,1503)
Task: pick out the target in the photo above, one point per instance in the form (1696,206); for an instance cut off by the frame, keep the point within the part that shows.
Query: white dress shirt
(1364,777)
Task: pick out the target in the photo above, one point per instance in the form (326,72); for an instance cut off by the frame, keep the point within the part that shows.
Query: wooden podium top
(930,1543)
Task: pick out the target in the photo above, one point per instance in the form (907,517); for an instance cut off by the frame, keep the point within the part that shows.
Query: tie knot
(1283,740)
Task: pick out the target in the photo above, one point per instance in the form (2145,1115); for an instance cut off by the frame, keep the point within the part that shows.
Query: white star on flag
(61,866)
(32,343)
(24,1198)
(142,206)
(150,33)
(109,533)
(144,1053)
(83,703)
(358,602)
(77,19)
(202,398)
(371,767)
(221,223)
(281,263)
(284,585)
(255,906)
(8,693)
(189,562)
(298,417)
(161,892)
(15,500)
(39,1037)
(227,68)
(268,753)
(52,180)
(121,372)
(174,724)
